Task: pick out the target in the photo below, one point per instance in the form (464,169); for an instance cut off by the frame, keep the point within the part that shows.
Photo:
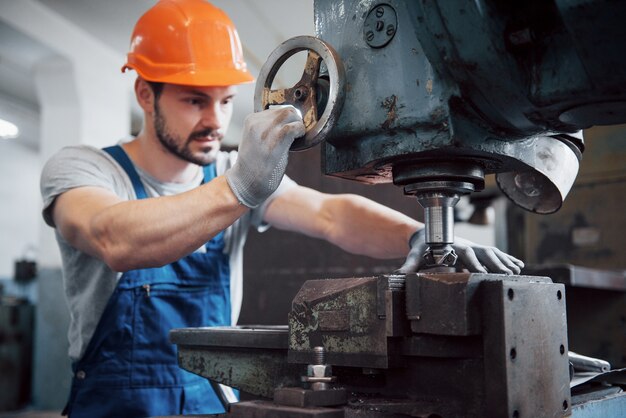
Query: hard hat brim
(229,77)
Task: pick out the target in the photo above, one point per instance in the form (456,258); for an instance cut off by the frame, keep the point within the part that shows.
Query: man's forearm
(157,231)
(362,226)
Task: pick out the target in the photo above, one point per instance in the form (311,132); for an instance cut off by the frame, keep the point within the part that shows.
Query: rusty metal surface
(251,359)
(362,343)
(257,372)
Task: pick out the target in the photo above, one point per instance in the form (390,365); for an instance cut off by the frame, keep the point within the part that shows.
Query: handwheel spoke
(277,97)
(306,87)
(309,108)
(311,69)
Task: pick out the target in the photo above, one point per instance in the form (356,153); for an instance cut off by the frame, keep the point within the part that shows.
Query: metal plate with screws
(380,25)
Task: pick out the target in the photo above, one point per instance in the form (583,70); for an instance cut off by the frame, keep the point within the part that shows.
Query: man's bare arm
(144,233)
(354,223)
(361,226)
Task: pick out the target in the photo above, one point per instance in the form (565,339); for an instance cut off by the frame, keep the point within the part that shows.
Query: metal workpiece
(319,97)
(588,364)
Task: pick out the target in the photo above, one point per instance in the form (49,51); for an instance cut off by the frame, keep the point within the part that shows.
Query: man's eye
(194,102)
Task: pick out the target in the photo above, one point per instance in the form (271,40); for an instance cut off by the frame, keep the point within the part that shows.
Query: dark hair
(157,89)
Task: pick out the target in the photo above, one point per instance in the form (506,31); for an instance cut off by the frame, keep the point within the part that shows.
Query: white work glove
(475,257)
(263,153)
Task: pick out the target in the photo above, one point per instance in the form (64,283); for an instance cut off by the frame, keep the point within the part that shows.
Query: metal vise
(421,345)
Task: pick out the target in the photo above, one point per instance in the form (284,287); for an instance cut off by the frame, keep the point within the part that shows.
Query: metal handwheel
(311,94)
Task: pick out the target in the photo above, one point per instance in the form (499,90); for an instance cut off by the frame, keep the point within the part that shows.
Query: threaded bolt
(319,355)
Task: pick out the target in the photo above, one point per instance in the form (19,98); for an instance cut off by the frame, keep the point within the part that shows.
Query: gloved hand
(263,153)
(475,257)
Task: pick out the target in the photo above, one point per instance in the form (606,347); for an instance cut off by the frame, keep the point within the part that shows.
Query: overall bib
(130,368)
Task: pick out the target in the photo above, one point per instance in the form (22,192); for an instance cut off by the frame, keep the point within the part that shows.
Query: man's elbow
(111,250)
(122,257)
(114,257)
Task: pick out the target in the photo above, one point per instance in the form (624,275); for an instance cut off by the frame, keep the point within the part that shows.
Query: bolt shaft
(319,355)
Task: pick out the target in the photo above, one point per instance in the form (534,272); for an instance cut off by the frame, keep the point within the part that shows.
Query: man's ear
(145,95)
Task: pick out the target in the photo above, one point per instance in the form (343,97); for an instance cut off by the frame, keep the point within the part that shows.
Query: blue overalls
(130,368)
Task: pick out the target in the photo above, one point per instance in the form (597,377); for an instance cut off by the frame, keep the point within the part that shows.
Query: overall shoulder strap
(217,242)
(209,173)
(119,155)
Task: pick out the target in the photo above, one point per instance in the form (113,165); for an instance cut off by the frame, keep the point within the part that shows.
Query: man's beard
(180,148)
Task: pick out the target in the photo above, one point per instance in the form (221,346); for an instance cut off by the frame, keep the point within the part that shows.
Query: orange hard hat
(188,42)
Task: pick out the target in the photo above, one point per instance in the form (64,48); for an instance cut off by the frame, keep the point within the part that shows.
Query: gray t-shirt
(88,281)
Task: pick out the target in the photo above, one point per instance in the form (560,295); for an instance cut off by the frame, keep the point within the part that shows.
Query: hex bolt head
(319,370)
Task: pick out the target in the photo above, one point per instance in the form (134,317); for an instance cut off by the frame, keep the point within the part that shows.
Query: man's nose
(212,117)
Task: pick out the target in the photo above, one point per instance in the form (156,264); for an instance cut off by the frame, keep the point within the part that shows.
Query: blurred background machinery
(16,349)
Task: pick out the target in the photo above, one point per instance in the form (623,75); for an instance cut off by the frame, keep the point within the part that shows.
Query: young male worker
(151,231)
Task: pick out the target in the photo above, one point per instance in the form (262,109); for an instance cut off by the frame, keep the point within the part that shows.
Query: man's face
(190,122)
